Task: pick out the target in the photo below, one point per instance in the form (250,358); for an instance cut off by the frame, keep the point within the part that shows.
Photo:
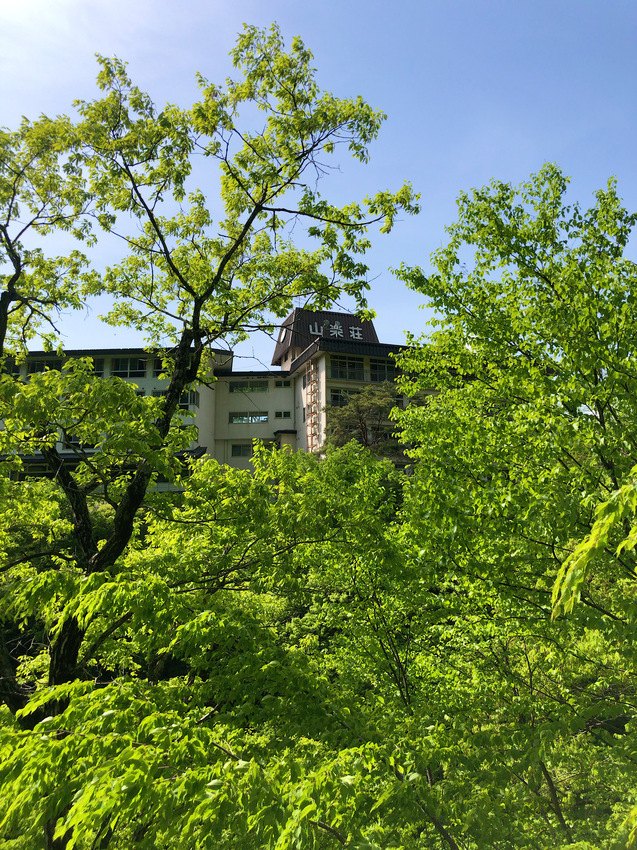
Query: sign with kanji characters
(335,329)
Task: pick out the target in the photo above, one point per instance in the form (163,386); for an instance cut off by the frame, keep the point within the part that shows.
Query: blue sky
(473,90)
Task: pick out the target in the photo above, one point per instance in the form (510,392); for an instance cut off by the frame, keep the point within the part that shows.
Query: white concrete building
(320,358)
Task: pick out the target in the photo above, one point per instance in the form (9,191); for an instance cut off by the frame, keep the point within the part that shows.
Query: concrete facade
(319,359)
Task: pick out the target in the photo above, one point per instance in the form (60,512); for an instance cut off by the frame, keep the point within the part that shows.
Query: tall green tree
(365,417)
(78,606)
(531,426)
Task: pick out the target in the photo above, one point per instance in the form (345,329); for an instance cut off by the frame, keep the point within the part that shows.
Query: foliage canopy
(91,631)
(325,652)
(531,427)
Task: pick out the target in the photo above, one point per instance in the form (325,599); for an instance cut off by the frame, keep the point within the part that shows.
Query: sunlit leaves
(175,633)
(530,427)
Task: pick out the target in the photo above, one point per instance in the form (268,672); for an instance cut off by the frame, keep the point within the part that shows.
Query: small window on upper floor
(347,368)
(282,383)
(186,400)
(382,370)
(34,366)
(189,399)
(340,397)
(13,368)
(282,414)
(128,367)
(163,367)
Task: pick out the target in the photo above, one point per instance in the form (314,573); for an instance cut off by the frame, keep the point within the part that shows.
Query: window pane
(347,368)
(241,450)
(34,366)
(137,368)
(382,370)
(247,417)
(129,367)
(189,399)
(339,397)
(248,386)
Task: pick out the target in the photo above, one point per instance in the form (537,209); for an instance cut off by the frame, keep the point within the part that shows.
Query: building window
(128,367)
(241,450)
(282,383)
(34,366)
(98,367)
(304,381)
(189,399)
(248,386)
(381,370)
(340,397)
(282,414)
(247,418)
(304,414)
(165,367)
(347,368)
(186,400)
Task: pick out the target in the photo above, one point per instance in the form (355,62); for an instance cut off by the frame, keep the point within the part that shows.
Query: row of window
(121,367)
(339,397)
(343,368)
(188,399)
(255,385)
(137,367)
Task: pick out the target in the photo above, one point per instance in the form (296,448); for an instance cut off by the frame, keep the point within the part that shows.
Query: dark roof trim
(115,352)
(362,349)
(246,373)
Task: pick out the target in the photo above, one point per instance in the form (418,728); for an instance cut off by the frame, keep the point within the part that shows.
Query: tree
(321,652)
(365,417)
(205,711)
(532,425)
(90,622)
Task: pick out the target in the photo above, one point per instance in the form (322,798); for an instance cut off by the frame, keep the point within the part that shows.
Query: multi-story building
(320,359)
